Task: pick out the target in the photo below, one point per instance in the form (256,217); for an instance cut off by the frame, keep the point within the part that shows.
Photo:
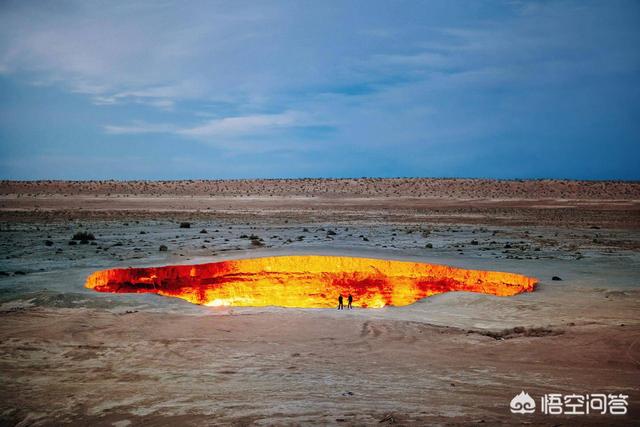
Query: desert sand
(72,356)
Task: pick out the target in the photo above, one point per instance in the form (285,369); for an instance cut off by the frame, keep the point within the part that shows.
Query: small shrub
(185,225)
(83,235)
(163,248)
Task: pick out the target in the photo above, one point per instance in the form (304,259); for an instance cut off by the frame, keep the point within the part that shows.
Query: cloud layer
(499,89)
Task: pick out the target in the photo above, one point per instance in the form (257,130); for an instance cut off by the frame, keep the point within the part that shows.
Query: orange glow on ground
(306,281)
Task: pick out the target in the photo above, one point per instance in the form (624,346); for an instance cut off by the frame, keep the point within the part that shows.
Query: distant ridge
(449,188)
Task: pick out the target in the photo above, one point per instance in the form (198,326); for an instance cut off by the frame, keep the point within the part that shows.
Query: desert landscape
(316,213)
(73,356)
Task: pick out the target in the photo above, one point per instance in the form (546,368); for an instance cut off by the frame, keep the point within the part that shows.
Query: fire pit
(307,281)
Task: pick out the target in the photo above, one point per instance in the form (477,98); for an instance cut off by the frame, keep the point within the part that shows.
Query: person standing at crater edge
(349,301)
(340,304)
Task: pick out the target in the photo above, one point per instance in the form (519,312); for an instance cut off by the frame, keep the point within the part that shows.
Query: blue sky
(174,89)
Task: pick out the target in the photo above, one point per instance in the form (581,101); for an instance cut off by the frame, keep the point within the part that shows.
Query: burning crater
(306,281)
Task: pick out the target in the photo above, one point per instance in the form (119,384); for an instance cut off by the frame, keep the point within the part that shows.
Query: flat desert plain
(72,356)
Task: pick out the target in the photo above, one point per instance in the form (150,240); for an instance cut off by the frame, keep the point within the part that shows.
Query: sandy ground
(71,356)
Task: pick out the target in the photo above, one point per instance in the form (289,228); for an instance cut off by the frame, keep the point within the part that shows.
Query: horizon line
(613,180)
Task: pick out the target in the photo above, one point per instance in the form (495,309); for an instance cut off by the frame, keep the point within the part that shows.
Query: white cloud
(137,128)
(152,53)
(227,127)
(242,125)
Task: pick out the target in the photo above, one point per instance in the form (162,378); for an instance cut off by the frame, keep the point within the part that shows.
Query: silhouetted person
(349,301)
(340,304)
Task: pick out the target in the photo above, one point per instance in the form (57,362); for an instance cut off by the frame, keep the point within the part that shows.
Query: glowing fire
(306,281)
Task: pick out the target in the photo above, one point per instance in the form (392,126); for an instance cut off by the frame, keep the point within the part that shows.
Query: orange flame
(306,281)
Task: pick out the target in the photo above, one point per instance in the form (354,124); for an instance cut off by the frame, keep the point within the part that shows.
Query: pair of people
(349,301)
